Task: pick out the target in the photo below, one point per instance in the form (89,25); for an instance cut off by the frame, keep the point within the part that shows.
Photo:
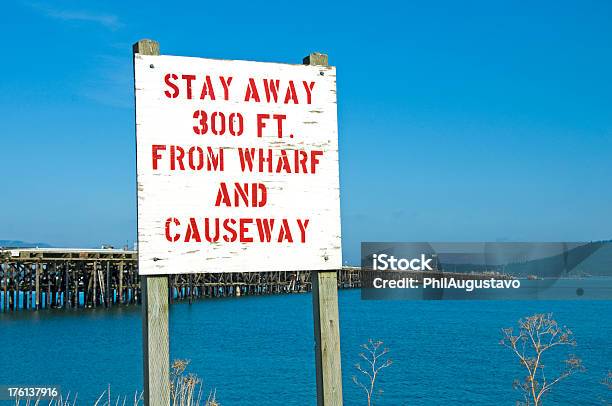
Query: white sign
(237,166)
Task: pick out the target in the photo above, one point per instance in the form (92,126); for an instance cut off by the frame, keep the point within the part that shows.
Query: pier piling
(37,278)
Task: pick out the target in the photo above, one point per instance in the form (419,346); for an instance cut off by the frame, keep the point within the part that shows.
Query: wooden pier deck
(70,278)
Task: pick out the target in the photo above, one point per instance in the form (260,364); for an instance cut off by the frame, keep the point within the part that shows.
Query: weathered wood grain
(164,193)
(326,318)
(327,338)
(156,341)
(155,337)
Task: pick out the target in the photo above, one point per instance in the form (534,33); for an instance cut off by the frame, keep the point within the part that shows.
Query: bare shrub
(536,335)
(376,360)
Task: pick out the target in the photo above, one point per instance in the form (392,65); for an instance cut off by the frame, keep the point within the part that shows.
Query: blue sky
(459,121)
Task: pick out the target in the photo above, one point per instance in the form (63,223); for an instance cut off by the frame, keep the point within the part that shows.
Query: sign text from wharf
(237,166)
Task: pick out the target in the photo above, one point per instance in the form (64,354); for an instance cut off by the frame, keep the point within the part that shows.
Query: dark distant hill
(22,244)
(593,259)
(546,260)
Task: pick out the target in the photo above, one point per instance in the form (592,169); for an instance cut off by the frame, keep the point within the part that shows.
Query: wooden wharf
(72,278)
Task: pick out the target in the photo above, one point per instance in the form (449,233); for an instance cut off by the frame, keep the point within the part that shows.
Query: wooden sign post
(326,318)
(237,171)
(155,338)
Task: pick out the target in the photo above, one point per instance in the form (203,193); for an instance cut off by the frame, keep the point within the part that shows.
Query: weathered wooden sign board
(237,166)
(237,170)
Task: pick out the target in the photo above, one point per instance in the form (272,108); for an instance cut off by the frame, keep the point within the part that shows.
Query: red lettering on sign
(196,157)
(156,156)
(175,89)
(246,158)
(308,87)
(274,159)
(291,94)
(175,237)
(277,161)
(207,89)
(260,123)
(314,161)
(231,230)
(251,91)
(174,158)
(223,196)
(279,120)
(244,230)
(215,162)
(245,194)
(303,225)
(192,231)
(226,84)
(233,118)
(207,235)
(200,161)
(271,88)
(202,118)
(285,232)
(263,159)
(217,123)
(188,79)
(283,163)
(300,161)
(264,228)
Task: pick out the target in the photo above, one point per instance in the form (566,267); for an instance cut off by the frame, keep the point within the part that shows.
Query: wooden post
(327,337)
(154,291)
(171,288)
(190,288)
(326,320)
(95,285)
(120,290)
(5,278)
(38,291)
(109,296)
(155,340)
(48,294)
(131,289)
(77,270)
(66,285)
(17,281)
(27,295)
(12,288)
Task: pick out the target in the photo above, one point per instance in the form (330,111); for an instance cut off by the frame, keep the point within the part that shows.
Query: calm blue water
(259,350)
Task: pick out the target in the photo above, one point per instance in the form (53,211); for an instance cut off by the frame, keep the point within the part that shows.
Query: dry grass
(57,401)
(186,389)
